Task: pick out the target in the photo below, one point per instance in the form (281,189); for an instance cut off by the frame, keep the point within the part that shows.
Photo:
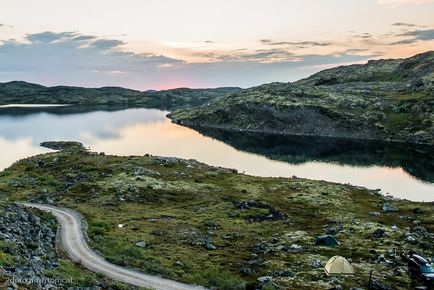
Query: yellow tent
(338,265)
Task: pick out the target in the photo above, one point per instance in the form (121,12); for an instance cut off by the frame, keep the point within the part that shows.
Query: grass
(74,276)
(179,207)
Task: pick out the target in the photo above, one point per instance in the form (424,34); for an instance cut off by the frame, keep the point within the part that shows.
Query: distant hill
(390,100)
(18,92)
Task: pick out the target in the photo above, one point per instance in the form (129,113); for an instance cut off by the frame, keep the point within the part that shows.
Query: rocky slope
(18,92)
(389,100)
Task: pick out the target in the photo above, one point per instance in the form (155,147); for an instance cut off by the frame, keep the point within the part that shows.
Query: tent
(338,265)
(328,241)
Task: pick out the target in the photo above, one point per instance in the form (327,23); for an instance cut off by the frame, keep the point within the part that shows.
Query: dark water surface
(404,171)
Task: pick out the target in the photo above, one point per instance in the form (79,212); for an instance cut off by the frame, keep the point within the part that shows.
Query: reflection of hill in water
(66,110)
(417,160)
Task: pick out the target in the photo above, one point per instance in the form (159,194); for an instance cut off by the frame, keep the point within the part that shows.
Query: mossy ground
(181,207)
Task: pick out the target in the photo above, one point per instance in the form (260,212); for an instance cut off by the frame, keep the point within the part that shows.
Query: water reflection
(140,131)
(417,160)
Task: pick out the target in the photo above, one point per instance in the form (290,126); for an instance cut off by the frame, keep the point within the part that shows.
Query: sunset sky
(158,44)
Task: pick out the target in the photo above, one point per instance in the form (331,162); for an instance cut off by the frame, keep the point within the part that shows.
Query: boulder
(378,234)
(141,244)
(387,207)
(265,279)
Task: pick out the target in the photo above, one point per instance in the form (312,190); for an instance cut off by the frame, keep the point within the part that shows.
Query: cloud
(71,58)
(427,34)
(404,24)
(299,44)
(415,36)
(83,37)
(49,36)
(250,72)
(2,25)
(364,35)
(107,43)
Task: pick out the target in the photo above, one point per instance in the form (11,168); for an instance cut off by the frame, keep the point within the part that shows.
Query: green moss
(73,275)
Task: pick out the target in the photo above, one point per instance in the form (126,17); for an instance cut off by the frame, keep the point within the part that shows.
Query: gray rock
(141,244)
(265,279)
(410,239)
(374,213)
(378,234)
(30,238)
(246,271)
(317,264)
(294,248)
(211,247)
(417,210)
(387,207)
(421,232)
(179,264)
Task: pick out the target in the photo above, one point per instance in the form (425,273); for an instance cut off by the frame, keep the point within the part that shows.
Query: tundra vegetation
(216,227)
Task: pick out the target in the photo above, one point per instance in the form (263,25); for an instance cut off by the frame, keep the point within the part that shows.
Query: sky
(162,44)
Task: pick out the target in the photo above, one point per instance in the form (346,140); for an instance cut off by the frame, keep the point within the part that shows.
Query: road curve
(72,240)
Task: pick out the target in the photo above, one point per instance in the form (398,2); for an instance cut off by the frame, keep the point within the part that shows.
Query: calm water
(399,171)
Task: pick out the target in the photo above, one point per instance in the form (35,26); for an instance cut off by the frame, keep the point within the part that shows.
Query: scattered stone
(28,238)
(246,271)
(234,215)
(417,210)
(374,213)
(272,215)
(231,236)
(158,233)
(378,285)
(265,279)
(382,260)
(317,264)
(378,234)
(410,239)
(210,225)
(211,247)
(179,264)
(387,207)
(283,273)
(141,244)
(416,222)
(294,248)
(394,227)
(421,232)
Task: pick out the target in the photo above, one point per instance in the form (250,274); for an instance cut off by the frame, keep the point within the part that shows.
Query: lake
(403,171)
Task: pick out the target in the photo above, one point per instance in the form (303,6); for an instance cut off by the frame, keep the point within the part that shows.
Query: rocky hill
(390,100)
(18,92)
